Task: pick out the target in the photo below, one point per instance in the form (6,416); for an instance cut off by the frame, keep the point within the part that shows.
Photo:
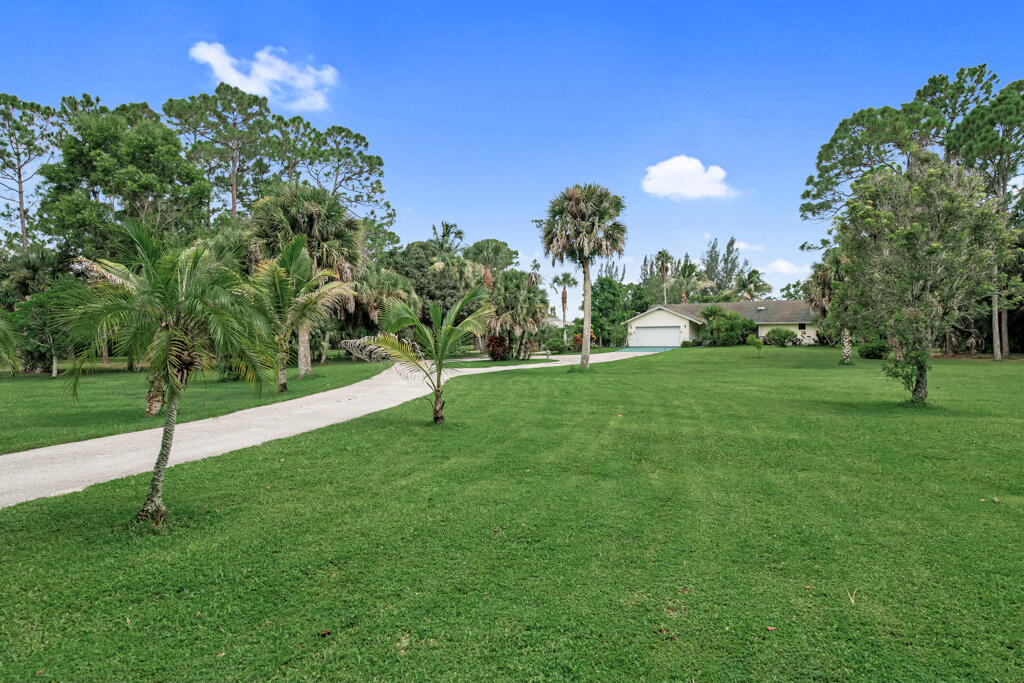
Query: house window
(802,326)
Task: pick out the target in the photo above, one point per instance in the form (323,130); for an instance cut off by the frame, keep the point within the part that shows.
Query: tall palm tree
(9,357)
(174,309)
(334,237)
(663,261)
(431,348)
(376,285)
(294,298)
(448,239)
(564,281)
(583,224)
(821,289)
(493,255)
(750,285)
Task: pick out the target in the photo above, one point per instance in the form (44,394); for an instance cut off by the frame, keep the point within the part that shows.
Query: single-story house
(672,324)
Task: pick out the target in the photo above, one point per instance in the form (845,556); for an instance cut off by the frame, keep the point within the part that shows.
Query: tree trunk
(438,407)
(153,510)
(847,346)
(53,366)
(106,353)
(920,393)
(950,349)
(488,279)
(997,344)
(282,372)
(21,208)
(154,397)
(897,348)
(585,351)
(565,305)
(326,347)
(1004,334)
(305,362)
(664,291)
(234,183)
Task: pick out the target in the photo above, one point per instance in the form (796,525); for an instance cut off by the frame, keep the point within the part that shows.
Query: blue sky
(483,112)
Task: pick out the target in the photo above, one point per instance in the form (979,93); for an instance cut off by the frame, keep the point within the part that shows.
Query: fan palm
(376,285)
(294,297)
(520,306)
(9,357)
(821,290)
(583,224)
(175,309)
(334,237)
(431,348)
(493,255)
(564,281)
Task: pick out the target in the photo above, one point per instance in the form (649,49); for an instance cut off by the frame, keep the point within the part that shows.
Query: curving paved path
(54,470)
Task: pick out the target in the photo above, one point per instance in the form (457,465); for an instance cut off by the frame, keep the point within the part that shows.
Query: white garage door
(656,336)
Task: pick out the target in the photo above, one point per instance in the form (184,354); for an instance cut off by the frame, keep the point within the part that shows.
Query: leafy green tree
(117,165)
(493,255)
(991,139)
(723,267)
(380,240)
(918,250)
(436,276)
(43,330)
(175,309)
(340,163)
(26,142)
(295,298)
(724,328)
(233,128)
(794,291)
(610,308)
(519,308)
(583,224)
(432,348)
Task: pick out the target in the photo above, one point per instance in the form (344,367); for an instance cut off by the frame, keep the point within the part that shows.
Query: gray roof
(758,311)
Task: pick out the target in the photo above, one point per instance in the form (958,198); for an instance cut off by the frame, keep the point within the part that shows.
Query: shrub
(873,349)
(725,328)
(689,343)
(780,336)
(755,341)
(556,345)
(577,342)
(497,347)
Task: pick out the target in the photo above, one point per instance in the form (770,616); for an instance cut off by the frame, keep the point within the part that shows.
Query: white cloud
(707,235)
(746,246)
(683,177)
(294,86)
(783,267)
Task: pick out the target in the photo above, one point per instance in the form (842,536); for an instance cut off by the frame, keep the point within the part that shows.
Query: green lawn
(701,513)
(38,411)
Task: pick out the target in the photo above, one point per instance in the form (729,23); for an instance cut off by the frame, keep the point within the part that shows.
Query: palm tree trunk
(438,407)
(326,347)
(53,366)
(565,305)
(847,346)
(105,353)
(585,351)
(305,363)
(282,372)
(664,290)
(154,397)
(153,510)
(1004,334)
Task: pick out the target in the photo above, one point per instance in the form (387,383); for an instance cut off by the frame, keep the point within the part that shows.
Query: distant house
(554,322)
(672,324)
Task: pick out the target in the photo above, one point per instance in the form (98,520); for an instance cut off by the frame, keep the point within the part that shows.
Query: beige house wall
(688,329)
(807,336)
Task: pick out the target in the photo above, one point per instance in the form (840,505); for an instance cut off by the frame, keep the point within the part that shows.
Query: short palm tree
(9,356)
(431,348)
(334,237)
(520,307)
(295,298)
(583,224)
(376,285)
(176,310)
(564,281)
(493,255)
(821,289)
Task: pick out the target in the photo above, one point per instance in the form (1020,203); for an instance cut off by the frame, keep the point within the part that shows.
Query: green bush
(780,336)
(556,345)
(875,349)
(689,343)
(755,341)
(724,328)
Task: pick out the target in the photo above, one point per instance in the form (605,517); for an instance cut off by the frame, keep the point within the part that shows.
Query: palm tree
(821,289)
(448,239)
(694,282)
(663,261)
(564,281)
(750,285)
(176,309)
(520,306)
(583,224)
(493,255)
(334,237)
(9,357)
(294,298)
(431,348)
(376,285)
